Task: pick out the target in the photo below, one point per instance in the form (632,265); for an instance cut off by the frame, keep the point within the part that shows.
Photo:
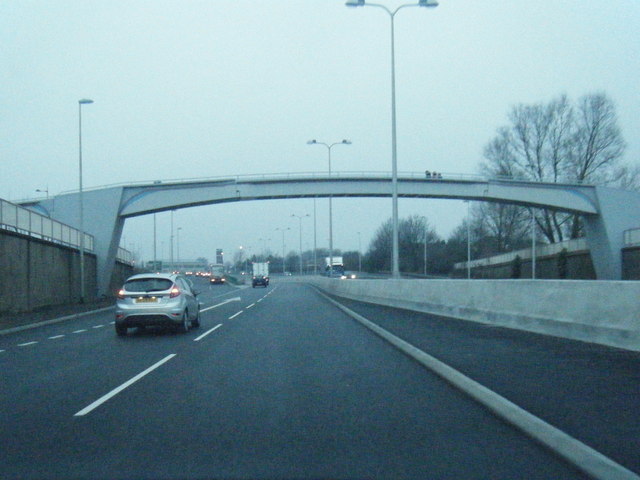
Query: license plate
(147,300)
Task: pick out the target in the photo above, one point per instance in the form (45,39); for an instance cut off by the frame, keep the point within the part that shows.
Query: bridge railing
(319,175)
(577,244)
(22,220)
(632,237)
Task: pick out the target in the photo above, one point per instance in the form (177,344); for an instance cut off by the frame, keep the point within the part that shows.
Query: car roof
(168,276)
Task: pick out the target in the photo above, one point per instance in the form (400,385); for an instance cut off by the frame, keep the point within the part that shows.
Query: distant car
(260,280)
(348,276)
(157,299)
(217,279)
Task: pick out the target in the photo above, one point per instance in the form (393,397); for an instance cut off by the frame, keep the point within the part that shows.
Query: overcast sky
(187,89)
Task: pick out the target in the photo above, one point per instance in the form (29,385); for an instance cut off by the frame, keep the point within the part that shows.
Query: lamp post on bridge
(329,147)
(84,101)
(395,258)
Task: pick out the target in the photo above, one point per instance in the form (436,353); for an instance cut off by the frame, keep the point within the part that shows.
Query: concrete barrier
(605,312)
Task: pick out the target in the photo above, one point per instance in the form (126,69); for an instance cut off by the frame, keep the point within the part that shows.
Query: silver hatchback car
(157,299)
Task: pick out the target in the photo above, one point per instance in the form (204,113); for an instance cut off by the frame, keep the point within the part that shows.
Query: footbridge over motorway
(607,212)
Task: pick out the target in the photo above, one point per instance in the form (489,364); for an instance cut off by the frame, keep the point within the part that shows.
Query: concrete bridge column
(102,220)
(619,210)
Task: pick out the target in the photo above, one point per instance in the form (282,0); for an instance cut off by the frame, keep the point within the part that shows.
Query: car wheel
(121,330)
(184,326)
(196,322)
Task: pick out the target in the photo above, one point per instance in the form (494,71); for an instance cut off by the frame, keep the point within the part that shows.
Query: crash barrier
(604,312)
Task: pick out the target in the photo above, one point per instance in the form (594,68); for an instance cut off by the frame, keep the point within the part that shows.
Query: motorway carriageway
(281,383)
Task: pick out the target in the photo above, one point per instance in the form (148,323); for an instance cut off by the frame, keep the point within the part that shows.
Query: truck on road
(338,267)
(217,274)
(260,274)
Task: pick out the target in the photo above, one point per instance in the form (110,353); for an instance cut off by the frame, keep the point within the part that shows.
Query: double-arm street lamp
(300,217)
(84,101)
(395,259)
(329,147)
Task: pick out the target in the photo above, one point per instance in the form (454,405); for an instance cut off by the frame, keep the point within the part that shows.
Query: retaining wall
(605,312)
(36,273)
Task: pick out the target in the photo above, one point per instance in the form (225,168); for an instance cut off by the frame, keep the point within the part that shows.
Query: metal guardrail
(17,219)
(125,256)
(574,245)
(22,220)
(632,237)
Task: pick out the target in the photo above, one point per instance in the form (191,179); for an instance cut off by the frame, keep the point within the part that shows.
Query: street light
(84,101)
(329,147)
(44,190)
(468,239)
(394,160)
(426,232)
(178,247)
(300,217)
(359,254)
(282,230)
(171,244)
(264,246)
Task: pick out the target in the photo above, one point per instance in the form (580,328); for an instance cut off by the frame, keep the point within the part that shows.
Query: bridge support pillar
(619,210)
(101,219)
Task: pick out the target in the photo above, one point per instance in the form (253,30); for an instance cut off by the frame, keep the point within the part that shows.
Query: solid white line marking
(207,333)
(260,300)
(112,323)
(252,305)
(56,337)
(97,326)
(26,344)
(2,351)
(236,299)
(235,315)
(117,390)
(79,331)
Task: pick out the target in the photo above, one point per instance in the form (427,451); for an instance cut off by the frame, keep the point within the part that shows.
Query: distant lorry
(338,266)
(260,274)
(217,274)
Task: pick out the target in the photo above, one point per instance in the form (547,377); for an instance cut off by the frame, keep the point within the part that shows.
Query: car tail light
(121,294)
(175,291)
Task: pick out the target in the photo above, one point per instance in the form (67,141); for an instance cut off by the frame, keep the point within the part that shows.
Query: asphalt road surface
(276,383)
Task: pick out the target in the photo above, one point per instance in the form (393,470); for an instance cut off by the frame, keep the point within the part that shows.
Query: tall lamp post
(282,230)
(426,236)
(468,239)
(329,147)
(178,247)
(300,217)
(84,101)
(395,259)
(359,254)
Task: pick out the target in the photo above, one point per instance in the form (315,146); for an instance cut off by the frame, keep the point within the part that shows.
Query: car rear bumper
(149,317)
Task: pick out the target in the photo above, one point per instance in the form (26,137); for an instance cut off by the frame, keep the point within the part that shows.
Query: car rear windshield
(148,285)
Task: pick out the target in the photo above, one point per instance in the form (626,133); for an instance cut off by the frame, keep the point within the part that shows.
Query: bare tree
(597,142)
(412,233)
(556,142)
